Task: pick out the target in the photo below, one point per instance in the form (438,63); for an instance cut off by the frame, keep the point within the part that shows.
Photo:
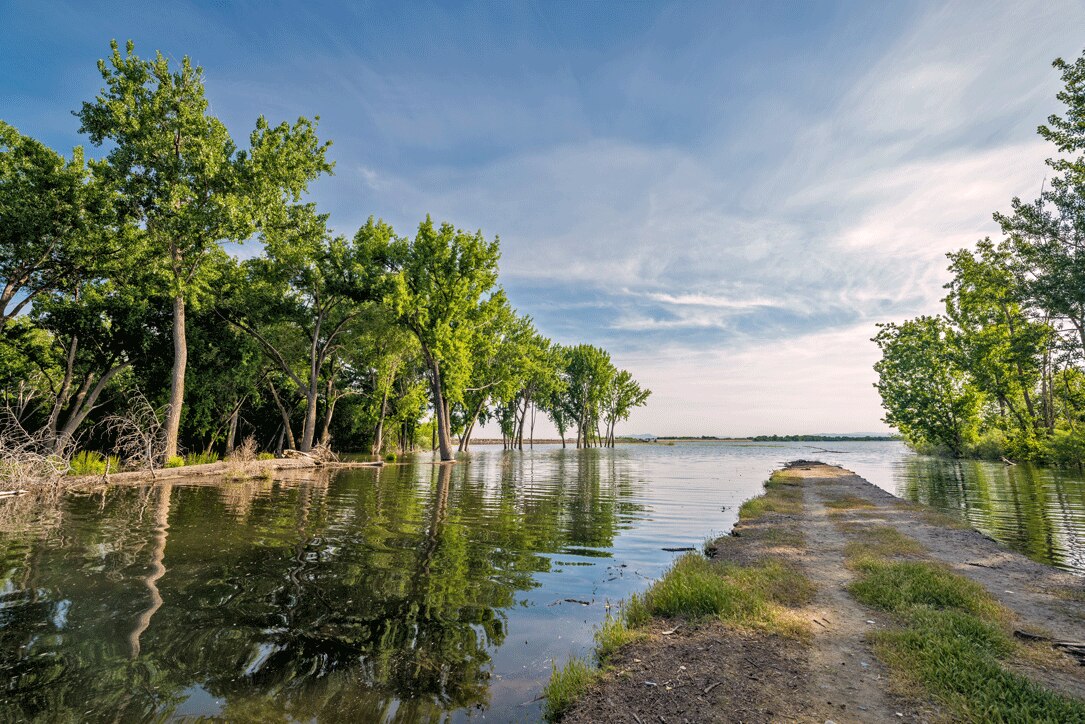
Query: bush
(89,462)
(175,462)
(265,456)
(1066,448)
(390,458)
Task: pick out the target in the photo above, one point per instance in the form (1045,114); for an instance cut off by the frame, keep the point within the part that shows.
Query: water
(416,592)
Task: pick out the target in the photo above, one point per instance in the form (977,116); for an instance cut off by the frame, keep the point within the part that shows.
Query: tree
(179,176)
(299,299)
(622,396)
(51,224)
(1001,346)
(441,280)
(926,396)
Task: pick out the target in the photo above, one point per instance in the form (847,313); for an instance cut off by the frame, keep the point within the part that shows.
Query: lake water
(415,592)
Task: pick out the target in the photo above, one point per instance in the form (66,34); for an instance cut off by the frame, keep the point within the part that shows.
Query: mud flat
(833,600)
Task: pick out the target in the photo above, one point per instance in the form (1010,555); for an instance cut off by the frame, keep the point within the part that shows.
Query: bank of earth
(835,601)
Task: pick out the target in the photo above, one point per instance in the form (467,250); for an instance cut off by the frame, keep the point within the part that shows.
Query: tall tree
(178,175)
(442,280)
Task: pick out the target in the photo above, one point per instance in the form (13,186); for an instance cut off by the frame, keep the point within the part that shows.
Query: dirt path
(718,673)
(848,682)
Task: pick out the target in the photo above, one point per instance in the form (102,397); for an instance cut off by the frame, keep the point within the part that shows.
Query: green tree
(925,394)
(179,176)
(440,285)
(622,396)
(51,220)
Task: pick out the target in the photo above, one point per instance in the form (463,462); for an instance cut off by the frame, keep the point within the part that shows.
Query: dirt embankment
(859,654)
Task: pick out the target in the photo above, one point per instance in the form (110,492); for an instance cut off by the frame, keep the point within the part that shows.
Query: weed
(175,462)
(265,456)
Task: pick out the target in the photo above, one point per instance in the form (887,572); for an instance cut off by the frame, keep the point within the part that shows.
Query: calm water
(416,592)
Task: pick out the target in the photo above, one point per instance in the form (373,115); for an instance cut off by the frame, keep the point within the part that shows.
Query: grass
(265,456)
(89,462)
(175,462)
(783,494)
(202,458)
(883,541)
(951,639)
(566,685)
(848,502)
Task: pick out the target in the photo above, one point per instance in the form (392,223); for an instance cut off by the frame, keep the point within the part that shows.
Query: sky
(728,197)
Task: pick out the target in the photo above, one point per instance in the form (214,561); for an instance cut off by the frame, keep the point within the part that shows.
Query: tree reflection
(372,595)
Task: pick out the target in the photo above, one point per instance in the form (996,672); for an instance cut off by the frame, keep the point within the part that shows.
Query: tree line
(1001,373)
(116,292)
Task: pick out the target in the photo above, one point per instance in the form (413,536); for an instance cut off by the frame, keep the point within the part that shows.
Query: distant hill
(843,437)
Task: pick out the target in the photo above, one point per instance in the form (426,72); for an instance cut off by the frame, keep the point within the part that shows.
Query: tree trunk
(444,438)
(285,415)
(84,404)
(308,430)
(232,434)
(325,432)
(378,434)
(65,389)
(177,379)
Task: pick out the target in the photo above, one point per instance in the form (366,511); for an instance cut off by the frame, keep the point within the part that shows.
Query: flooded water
(415,592)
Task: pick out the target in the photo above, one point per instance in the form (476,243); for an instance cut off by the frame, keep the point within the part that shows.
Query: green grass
(848,502)
(566,685)
(175,462)
(265,456)
(89,462)
(783,494)
(882,541)
(202,458)
(950,640)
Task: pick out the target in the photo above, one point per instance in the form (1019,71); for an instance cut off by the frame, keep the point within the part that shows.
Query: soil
(716,673)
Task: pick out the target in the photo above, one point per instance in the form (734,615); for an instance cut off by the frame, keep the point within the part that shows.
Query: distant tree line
(115,288)
(1002,372)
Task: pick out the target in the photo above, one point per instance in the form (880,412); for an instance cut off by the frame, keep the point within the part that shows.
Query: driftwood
(1008,461)
(1073,648)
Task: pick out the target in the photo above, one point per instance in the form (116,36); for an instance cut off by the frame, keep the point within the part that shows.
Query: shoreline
(830,601)
(232,471)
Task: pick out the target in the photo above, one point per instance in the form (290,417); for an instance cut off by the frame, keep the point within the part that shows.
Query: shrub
(1066,448)
(175,462)
(265,456)
(390,458)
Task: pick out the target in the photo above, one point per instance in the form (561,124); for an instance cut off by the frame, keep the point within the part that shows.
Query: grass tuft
(175,462)
(566,685)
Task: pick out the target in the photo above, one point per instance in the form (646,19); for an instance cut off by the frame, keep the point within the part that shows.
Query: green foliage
(566,685)
(202,458)
(88,462)
(175,461)
(1066,447)
(926,395)
(390,457)
(265,456)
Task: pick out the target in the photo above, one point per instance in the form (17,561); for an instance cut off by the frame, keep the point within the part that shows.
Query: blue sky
(727,196)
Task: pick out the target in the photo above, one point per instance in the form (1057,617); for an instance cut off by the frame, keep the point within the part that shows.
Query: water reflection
(415,592)
(1038,511)
(371,595)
